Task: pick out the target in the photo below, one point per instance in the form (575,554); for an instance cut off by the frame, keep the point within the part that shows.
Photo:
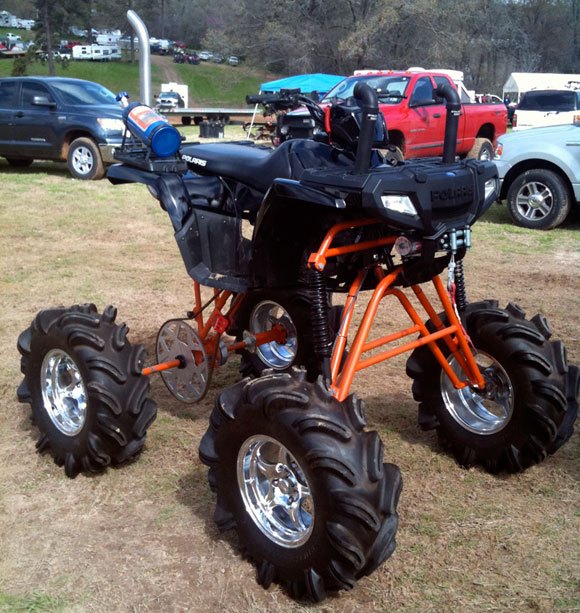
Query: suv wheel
(84,160)
(538,199)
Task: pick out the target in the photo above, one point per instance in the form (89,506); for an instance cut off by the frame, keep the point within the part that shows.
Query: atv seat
(257,166)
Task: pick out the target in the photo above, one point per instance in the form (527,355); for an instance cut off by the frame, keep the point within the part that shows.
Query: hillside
(209,84)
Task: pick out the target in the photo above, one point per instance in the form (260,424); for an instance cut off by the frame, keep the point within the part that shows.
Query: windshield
(549,101)
(169,95)
(390,90)
(84,93)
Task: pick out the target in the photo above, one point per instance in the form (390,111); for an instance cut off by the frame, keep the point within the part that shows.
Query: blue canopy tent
(307,83)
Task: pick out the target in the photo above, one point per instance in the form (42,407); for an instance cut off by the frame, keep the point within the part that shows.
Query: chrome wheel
(482,412)
(275,491)
(82,160)
(64,393)
(534,200)
(264,317)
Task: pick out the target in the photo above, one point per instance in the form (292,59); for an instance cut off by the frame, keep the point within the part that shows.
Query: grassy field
(209,84)
(142,538)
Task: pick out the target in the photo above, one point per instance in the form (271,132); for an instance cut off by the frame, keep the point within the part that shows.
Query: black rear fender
(168,188)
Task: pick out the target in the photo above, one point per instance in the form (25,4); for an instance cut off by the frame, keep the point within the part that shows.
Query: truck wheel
(264,309)
(526,407)
(84,160)
(302,483)
(19,162)
(186,121)
(538,199)
(83,381)
(482,150)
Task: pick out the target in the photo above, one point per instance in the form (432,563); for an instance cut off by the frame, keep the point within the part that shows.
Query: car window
(444,81)
(84,92)
(396,86)
(423,92)
(8,93)
(548,101)
(30,90)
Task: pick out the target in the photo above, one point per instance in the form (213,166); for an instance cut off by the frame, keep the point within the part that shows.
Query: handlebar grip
(263,99)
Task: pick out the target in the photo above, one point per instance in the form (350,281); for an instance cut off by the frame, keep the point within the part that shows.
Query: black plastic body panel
(213,250)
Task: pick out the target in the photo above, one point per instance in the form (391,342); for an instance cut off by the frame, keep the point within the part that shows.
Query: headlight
(111,125)
(399,204)
(498,150)
(491,188)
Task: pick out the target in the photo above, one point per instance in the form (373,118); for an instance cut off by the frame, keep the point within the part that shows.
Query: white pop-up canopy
(520,82)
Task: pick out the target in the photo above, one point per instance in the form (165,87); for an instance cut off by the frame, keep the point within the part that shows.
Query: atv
(271,237)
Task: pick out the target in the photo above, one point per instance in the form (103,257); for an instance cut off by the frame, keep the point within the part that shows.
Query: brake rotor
(178,340)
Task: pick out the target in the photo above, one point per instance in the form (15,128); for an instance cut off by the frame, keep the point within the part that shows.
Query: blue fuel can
(152,129)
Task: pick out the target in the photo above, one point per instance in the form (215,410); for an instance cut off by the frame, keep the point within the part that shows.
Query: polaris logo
(452,195)
(193,160)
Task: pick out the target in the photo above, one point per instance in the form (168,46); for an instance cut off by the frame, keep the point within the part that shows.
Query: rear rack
(140,157)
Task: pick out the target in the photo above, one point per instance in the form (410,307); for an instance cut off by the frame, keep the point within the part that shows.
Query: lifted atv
(295,471)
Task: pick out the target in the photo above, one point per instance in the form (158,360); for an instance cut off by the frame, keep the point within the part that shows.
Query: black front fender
(292,221)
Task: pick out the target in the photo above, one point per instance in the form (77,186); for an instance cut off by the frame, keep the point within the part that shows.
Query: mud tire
(353,494)
(118,410)
(482,150)
(544,405)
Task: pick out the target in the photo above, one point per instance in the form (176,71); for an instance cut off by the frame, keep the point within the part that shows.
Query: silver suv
(539,170)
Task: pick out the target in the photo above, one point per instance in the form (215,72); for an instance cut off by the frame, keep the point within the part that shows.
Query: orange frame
(452,334)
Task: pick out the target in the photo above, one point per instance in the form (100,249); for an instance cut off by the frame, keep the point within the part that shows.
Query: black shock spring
(319,314)
(460,293)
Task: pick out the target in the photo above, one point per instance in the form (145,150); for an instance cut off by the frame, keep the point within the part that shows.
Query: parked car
(539,170)
(62,119)
(168,101)
(233,60)
(205,55)
(547,107)
(218,58)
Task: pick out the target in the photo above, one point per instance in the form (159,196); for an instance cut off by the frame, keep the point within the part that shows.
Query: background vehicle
(547,107)
(294,470)
(54,118)
(540,174)
(415,118)
(169,100)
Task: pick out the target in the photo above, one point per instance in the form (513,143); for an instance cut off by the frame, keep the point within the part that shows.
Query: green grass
(220,84)
(35,603)
(209,84)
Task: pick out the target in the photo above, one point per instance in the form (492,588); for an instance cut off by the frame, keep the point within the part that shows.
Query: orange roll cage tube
(218,323)
(453,334)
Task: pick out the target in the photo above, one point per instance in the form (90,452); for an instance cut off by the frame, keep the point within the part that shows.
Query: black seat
(254,166)
(257,167)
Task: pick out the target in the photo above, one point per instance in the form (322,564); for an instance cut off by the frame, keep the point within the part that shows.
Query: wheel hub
(534,200)
(484,411)
(64,393)
(275,491)
(265,316)
(177,340)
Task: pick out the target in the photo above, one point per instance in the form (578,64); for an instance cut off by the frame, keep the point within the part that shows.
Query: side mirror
(43,101)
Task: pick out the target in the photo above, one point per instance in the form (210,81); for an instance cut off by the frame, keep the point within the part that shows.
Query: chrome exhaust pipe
(144,56)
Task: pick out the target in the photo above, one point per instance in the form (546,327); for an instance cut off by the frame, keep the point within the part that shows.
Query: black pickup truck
(55,118)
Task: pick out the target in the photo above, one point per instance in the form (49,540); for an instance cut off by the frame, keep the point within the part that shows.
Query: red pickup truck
(415,118)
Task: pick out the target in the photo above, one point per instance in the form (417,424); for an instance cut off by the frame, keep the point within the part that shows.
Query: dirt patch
(165,64)
(142,538)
